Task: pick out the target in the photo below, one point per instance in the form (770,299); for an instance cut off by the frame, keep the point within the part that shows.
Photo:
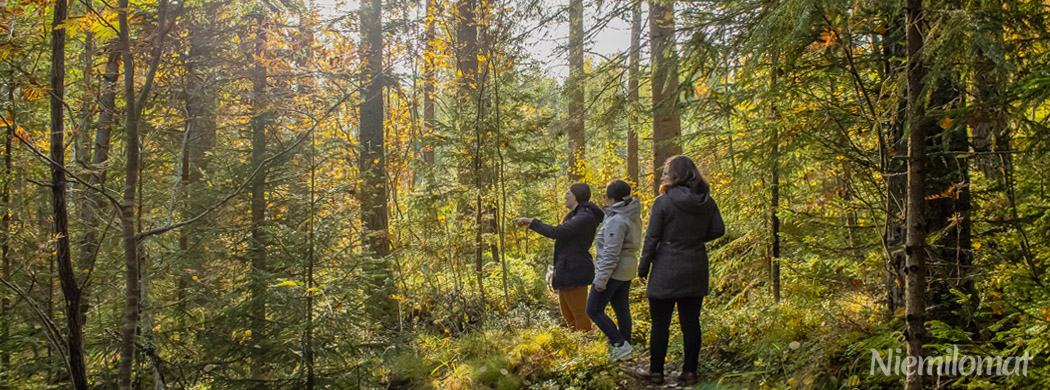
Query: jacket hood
(591,208)
(631,208)
(689,201)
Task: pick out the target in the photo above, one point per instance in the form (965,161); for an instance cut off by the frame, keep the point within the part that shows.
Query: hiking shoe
(654,378)
(687,379)
(620,351)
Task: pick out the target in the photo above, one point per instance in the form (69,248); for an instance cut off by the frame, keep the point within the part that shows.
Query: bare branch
(299,140)
(51,330)
(41,156)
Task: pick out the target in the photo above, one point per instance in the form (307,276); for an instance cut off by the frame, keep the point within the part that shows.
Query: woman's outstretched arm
(569,228)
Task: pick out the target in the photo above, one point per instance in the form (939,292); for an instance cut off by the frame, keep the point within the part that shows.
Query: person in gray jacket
(618,242)
(674,258)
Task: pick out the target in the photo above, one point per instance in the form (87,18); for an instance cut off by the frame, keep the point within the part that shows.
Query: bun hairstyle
(680,171)
(617,190)
(582,192)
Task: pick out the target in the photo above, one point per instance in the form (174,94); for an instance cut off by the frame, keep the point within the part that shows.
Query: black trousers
(689,317)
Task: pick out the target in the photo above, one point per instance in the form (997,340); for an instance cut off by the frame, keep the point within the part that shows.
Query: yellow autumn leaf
(854,381)
(946,123)
(286,283)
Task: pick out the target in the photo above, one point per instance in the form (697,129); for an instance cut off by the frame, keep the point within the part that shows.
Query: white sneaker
(622,351)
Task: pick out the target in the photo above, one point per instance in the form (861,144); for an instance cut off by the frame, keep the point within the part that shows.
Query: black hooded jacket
(674,256)
(573,265)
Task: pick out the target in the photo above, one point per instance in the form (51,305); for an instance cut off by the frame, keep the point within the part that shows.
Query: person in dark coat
(573,265)
(674,259)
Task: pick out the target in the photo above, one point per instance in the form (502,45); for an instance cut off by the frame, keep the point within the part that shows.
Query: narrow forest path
(640,361)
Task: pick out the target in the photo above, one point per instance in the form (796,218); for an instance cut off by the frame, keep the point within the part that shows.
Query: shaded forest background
(260,195)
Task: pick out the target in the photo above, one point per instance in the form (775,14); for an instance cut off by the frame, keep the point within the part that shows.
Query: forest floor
(630,366)
(639,361)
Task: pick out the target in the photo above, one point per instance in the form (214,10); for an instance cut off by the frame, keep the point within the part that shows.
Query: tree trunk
(471,169)
(993,154)
(200,136)
(83,209)
(5,224)
(429,57)
(575,83)
(467,69)
(851,219)
(915,247)
(309,338)
(63,258)
(632,94)
(949,259)
(667,121)
(774,198)
(774,205)
(127,209)
(89,243)
(991,134)
(373,159)
(133,109)
(467,49)
(895,169)
(261,113)
(304,59)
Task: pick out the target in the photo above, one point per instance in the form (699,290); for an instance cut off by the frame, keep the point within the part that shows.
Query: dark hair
(617,190)
(679,170)
(581,191)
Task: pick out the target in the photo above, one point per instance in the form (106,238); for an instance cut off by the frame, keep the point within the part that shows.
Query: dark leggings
(688,317)
(616,292)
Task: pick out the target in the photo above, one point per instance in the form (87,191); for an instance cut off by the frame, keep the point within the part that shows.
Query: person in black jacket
(674,259)
(573,266)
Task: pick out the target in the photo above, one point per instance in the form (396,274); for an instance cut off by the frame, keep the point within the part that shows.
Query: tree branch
(299,140)
(48,160)
(52,331)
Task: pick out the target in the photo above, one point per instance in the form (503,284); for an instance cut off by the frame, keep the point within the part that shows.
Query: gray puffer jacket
(674,256)
(618,243)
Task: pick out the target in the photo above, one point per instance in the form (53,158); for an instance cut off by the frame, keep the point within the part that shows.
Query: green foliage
(812,90)
(507,354)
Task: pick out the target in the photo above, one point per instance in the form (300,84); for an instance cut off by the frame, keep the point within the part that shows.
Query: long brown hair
(679,170)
